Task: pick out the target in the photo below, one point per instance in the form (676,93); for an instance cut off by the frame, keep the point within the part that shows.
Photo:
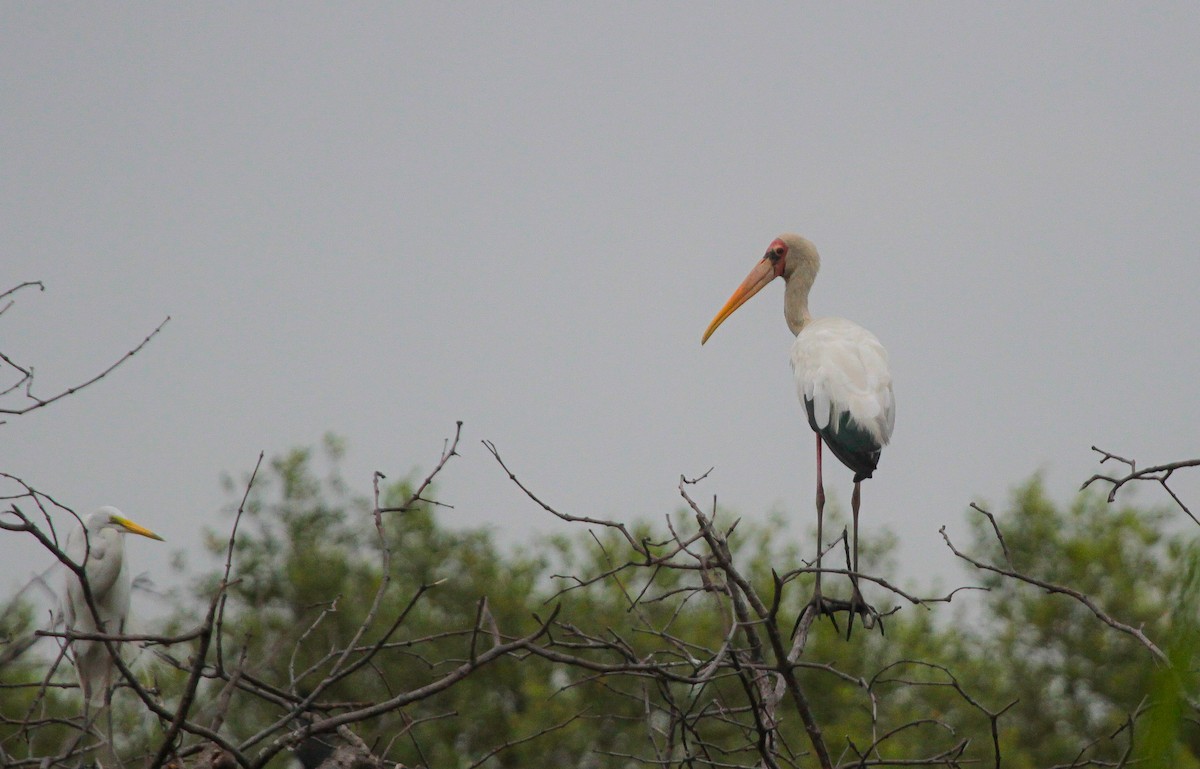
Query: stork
(841,372)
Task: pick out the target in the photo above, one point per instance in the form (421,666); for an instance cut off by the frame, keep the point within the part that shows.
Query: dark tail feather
(850,443)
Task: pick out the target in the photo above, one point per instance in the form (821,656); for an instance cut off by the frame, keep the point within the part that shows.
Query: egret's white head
(109,517)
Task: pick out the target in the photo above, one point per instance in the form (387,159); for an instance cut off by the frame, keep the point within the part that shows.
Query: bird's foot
(821,606)
(857,605)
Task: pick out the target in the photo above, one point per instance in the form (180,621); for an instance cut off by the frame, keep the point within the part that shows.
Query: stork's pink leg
(820,522)
(856,599)
(854,507)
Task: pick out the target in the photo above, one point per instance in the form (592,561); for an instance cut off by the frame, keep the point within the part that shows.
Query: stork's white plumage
(101,552)
(841,371)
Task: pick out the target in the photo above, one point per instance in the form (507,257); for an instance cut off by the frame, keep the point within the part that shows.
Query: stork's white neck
(795,303)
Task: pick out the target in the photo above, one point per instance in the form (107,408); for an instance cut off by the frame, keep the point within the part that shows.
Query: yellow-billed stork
(841,371)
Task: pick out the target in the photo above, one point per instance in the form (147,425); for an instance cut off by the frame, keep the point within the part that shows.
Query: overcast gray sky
(380,219)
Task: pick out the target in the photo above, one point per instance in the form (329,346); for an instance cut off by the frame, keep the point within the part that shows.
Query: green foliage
(1168,728)
(309,563)
(307,568)
(1077,681)
(22,695)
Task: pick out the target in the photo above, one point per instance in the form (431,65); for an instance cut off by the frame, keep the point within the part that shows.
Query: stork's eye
(776,253)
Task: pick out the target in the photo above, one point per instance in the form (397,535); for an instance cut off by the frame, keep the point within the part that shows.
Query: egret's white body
(841,371)
(108,576)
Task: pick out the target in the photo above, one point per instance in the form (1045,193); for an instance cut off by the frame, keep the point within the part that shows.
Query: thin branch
(43,402)
(527,738)
(1158,473)
(1063,590)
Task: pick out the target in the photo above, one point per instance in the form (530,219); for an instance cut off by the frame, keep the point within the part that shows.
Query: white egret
(107,574)
(841,371)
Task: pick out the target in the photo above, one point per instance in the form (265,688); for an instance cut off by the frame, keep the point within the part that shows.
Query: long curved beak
(134,528)
(762,274)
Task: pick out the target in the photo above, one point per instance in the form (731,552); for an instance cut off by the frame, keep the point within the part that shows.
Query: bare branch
(1158,473)
(1063,590)
(38,402)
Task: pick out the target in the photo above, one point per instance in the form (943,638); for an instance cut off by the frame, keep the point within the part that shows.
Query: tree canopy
(613,654)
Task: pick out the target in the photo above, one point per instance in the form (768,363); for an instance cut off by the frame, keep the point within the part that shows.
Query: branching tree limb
(1160,474)
(25,373)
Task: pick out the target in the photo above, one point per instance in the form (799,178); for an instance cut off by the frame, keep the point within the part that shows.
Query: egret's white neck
(795,304)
